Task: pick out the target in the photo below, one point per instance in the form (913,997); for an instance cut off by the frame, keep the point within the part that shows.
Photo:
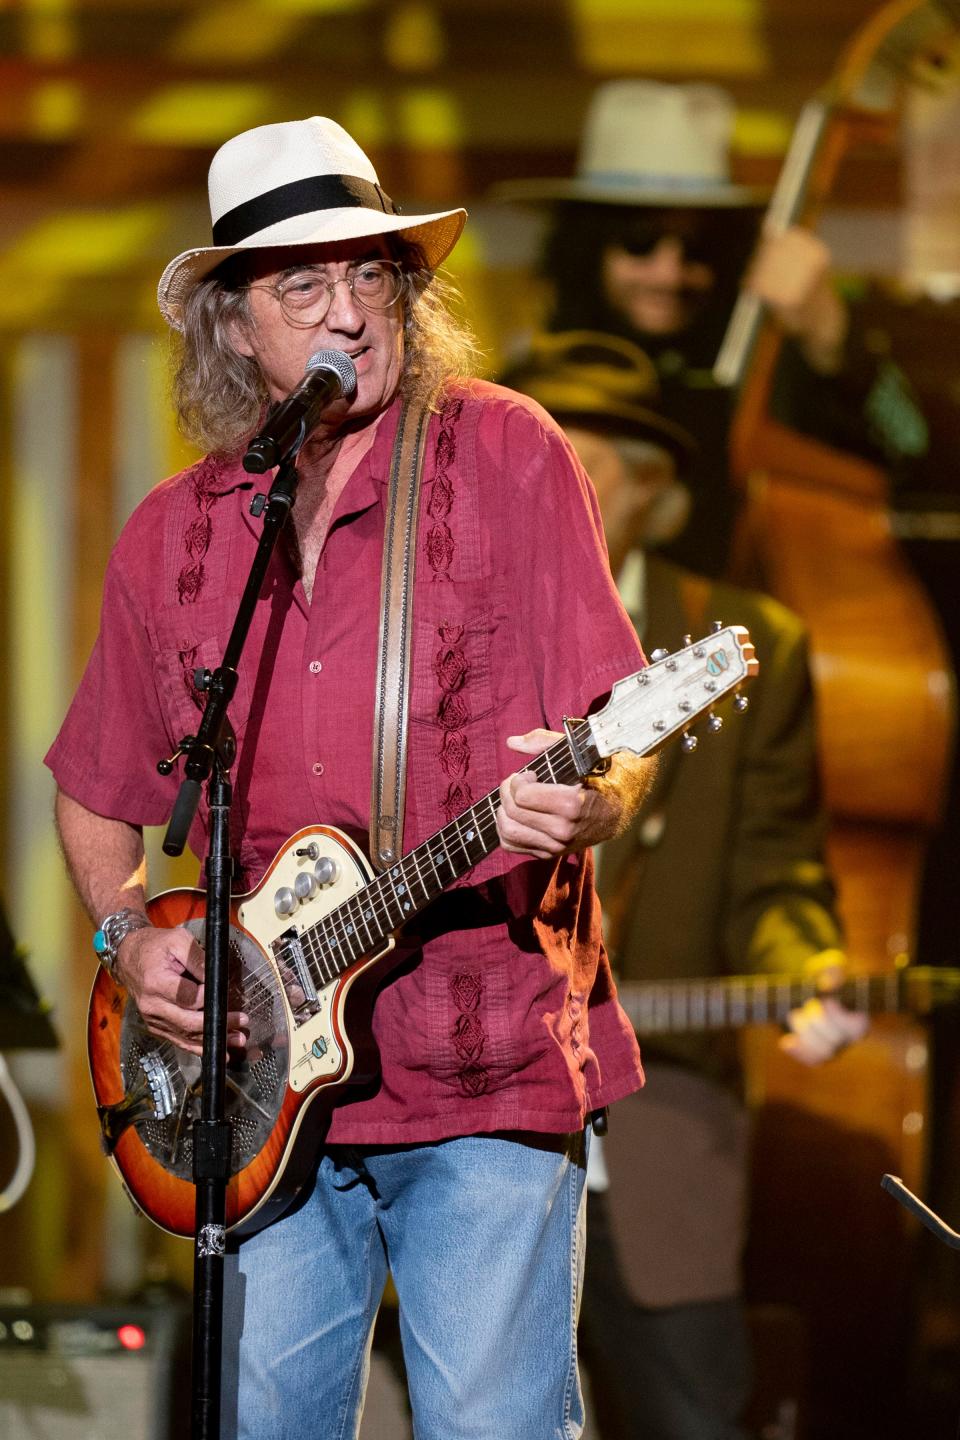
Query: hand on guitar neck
(550,820)
(821,1028)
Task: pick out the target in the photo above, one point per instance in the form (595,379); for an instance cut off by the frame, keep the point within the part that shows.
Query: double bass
(815,530)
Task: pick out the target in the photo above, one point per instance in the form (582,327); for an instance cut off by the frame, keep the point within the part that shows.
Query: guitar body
(300,1049)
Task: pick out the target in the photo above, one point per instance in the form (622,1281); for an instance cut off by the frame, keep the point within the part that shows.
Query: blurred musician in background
(652,240)
(722,871)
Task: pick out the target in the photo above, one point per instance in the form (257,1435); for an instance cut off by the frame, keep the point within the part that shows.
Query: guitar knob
(326,870)
(689,743)
(304,885)
(285,902)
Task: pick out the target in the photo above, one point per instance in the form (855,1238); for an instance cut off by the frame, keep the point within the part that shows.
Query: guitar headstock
(645,709)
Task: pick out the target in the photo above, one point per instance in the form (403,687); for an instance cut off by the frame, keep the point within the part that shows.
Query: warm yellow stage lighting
(234,31)
(56,109)
(196,114)
(430,118)
(47,28)
(761,132)
(99,242)
(413,39)
(696,37)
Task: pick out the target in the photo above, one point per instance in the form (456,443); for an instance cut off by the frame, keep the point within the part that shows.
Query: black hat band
(300,197)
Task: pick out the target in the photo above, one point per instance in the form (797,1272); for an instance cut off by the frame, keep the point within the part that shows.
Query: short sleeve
(106,753)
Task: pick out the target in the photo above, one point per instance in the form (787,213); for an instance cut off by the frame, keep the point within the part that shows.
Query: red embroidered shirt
(504,1017)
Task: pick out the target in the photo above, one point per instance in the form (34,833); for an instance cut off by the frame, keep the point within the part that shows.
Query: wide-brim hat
(648,143)
(602,381)
(301,182)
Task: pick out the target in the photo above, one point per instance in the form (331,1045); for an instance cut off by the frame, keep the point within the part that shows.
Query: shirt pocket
(463,679)
(192,638)
(462,661)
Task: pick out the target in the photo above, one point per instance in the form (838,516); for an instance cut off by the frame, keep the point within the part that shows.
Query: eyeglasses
(305,295)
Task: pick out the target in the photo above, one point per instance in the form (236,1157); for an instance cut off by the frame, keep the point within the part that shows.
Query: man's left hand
(547,820)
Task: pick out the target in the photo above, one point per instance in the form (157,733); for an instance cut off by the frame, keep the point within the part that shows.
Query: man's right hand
(163,971)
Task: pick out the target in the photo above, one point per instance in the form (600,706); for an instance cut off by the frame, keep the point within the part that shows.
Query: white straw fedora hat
(648,143)
(302,182)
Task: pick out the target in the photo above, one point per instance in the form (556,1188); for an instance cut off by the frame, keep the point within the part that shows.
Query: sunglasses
(641,238)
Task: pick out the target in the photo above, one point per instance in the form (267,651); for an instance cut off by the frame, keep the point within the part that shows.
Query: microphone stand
(894,1186)
(209,756)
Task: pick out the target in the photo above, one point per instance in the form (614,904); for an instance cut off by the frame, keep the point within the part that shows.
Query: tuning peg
(660,654)
(688,743)
(714,723)
(741,703)
(688,640)
(716,626)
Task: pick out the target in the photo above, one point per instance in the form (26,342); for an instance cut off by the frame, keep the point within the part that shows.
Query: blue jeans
(484,1237)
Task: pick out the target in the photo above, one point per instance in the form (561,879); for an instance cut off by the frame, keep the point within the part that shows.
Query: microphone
(329,374)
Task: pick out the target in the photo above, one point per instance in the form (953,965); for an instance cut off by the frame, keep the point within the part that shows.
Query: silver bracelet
(113,929)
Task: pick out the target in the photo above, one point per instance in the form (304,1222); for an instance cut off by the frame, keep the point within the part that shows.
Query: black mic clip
(329,375)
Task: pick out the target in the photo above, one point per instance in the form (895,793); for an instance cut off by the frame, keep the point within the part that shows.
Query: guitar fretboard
(676,1007)
(362,924)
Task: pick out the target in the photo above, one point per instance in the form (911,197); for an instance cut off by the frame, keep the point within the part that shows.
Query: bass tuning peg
(688,743)
(741,703)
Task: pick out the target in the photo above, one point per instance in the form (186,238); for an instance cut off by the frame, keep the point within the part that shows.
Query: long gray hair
(220,395)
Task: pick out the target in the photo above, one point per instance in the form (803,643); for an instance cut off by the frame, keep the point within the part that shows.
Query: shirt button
(318,768)
(315,667)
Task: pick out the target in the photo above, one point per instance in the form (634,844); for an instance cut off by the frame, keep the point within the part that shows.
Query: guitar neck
(677,1007)
(643,712)
(366,921)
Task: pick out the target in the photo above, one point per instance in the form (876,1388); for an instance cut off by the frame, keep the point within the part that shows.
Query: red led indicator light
(131,1337)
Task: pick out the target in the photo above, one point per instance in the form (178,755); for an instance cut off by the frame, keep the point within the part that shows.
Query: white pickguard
(315,1050)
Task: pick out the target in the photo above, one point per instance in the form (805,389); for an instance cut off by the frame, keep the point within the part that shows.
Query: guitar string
(263,972)
(325,933)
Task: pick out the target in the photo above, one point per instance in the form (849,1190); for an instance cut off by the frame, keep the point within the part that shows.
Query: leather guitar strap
(396,614)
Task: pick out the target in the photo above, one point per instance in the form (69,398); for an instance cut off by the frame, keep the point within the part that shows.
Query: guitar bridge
(288,952)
